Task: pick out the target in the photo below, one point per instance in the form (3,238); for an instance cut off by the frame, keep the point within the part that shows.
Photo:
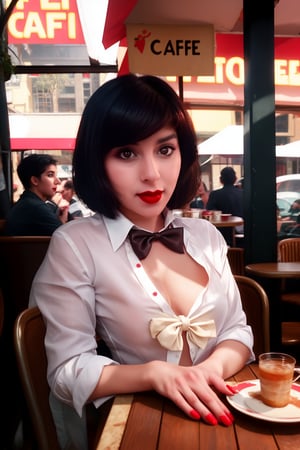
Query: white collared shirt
(92,282)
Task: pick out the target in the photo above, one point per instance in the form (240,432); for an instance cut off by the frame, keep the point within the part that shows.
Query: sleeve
(63,290)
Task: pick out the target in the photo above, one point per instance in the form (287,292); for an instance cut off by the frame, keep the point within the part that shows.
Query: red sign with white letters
(45,22)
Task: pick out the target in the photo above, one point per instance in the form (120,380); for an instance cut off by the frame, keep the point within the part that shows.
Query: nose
(57,180)
(150,169)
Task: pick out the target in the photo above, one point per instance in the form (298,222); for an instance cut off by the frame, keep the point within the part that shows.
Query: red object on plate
(225,217)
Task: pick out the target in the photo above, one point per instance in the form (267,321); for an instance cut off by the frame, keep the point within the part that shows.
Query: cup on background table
(217,216)
(195,213)
(276,371)
(178,212)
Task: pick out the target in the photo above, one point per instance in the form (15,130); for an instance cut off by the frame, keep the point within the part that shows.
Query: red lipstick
(150,196)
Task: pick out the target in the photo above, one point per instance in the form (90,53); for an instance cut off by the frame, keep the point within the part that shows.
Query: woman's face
(144,175)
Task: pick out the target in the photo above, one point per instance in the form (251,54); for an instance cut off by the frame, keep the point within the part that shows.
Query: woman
(172,318)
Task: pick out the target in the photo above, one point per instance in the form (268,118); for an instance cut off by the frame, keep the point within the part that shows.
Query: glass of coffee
(276,372)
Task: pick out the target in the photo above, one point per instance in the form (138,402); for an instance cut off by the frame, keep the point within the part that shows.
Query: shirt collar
(119,228)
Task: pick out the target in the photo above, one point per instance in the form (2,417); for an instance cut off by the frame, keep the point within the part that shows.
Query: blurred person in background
(76,208)
(228,199)
(201,197)
(31,215)
(294,210)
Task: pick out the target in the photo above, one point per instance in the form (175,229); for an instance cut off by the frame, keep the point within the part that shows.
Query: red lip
(150,197)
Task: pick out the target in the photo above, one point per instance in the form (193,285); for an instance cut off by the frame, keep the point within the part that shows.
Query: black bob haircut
(123,111)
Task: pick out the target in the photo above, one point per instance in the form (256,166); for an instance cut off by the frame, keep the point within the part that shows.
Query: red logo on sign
(140,40)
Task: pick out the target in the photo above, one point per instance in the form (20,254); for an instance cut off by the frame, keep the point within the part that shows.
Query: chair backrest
(29,333)
(236,258)
(256,306)
(21,256)
(289,250)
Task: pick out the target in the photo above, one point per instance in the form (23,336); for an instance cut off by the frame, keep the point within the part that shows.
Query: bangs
(135,117)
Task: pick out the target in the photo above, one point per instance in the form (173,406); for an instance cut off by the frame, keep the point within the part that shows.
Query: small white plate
(245,402)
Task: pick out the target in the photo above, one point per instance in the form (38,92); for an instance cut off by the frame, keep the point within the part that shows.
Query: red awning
(42,144)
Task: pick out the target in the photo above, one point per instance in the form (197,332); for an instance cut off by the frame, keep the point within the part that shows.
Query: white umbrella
(291,150)
(230,141)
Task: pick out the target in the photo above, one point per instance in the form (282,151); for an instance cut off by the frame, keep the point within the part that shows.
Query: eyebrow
(159,141)
(167,138)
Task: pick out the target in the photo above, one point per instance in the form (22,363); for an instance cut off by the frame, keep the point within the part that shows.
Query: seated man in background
(228,199)
(294,210)
(30,215)
(76,208)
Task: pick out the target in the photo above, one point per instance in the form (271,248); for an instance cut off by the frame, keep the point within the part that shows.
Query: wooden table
(147,421)
(231,222)
(267,274)
(274,269)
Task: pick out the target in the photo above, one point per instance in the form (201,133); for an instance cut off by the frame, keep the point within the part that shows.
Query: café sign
(171,49)
(45,22)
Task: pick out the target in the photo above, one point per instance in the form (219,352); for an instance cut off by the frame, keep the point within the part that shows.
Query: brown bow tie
(141,240)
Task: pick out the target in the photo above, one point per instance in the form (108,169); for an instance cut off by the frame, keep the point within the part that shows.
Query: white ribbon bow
(168,330)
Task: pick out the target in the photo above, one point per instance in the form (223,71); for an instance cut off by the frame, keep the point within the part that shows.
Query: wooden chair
(29,333)
(289,251)
(236,260)
(256,306)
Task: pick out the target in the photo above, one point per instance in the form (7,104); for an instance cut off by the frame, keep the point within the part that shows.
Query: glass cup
(276,372)
(217,216)
(195,213)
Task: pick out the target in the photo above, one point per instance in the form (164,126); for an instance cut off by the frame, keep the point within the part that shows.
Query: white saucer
(244,402)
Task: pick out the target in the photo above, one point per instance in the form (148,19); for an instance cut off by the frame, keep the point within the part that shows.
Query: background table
(232,222)
(148,421)
(270,274)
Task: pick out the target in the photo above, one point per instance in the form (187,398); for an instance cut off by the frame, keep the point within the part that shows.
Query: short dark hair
(123,111)
(33,166)
(68,184)
(228,176)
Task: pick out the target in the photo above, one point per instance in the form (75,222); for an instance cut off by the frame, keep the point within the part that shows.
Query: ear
(34,180)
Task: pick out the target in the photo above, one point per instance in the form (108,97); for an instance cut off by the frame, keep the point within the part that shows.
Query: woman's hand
(193,390)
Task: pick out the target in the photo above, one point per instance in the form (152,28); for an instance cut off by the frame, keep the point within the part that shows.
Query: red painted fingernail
(226,420)
(194,414)
(230,416)
(211,419)
(232,389)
